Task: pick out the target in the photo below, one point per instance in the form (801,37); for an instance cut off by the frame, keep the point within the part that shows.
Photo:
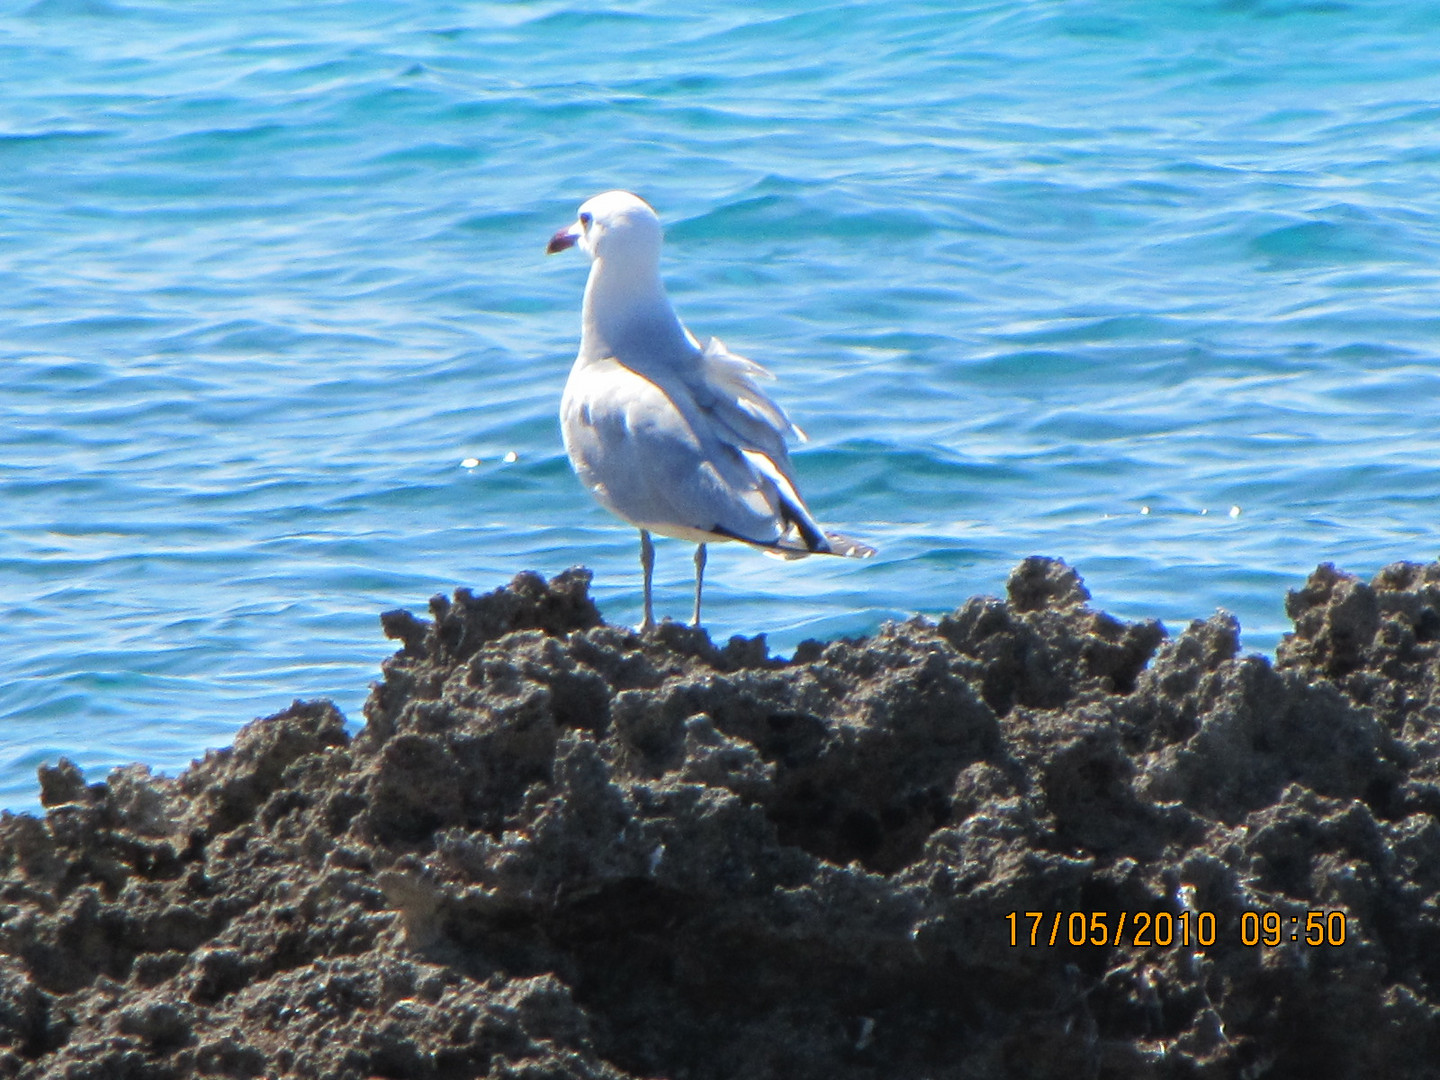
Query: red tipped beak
(560,241)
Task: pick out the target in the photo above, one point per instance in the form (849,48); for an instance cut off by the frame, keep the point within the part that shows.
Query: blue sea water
(1150,287)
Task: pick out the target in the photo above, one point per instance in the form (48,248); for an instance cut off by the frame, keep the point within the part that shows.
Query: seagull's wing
(651,455)
(692,449)
(741,416)
(727,387)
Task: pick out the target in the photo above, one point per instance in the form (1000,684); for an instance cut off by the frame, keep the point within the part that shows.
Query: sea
(1152,288)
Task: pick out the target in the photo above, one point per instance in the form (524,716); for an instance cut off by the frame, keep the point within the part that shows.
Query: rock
(559,849)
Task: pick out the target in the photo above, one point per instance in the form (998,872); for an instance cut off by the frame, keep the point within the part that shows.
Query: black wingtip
(814,539)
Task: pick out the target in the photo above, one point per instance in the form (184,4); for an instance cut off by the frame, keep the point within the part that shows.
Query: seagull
(675,437)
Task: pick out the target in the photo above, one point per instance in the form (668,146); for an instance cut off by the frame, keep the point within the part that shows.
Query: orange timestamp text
(1165,929)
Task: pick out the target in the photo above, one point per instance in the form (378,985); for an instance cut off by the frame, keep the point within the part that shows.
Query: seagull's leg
(699,578)
(647,564)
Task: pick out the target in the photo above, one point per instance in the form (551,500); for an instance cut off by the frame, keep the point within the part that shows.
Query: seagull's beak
(563,239)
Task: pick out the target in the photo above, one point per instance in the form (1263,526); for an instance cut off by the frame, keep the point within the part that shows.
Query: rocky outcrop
(560,849)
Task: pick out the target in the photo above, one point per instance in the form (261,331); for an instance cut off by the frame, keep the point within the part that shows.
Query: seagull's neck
(626,314)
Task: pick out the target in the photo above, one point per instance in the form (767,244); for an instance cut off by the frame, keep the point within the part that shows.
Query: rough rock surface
(561,850)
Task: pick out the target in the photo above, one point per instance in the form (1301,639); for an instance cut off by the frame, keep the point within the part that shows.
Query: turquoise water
(1149,287)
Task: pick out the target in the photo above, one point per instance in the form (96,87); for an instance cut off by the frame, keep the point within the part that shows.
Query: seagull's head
(616,226)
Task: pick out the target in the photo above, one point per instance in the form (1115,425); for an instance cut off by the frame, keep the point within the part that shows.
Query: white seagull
(675,437)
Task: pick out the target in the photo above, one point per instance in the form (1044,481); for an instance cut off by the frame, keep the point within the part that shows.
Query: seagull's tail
(791,546)
(848,546)
(829,543)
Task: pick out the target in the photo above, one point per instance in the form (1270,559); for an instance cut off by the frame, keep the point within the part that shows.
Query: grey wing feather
(726,386)
(740,415)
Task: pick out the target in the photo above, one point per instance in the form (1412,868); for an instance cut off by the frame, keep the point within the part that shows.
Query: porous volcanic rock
(560,849)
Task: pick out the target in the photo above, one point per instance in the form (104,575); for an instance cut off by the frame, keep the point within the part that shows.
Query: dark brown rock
(559,849)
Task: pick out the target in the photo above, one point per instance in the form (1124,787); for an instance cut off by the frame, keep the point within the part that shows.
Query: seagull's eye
(585,219)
